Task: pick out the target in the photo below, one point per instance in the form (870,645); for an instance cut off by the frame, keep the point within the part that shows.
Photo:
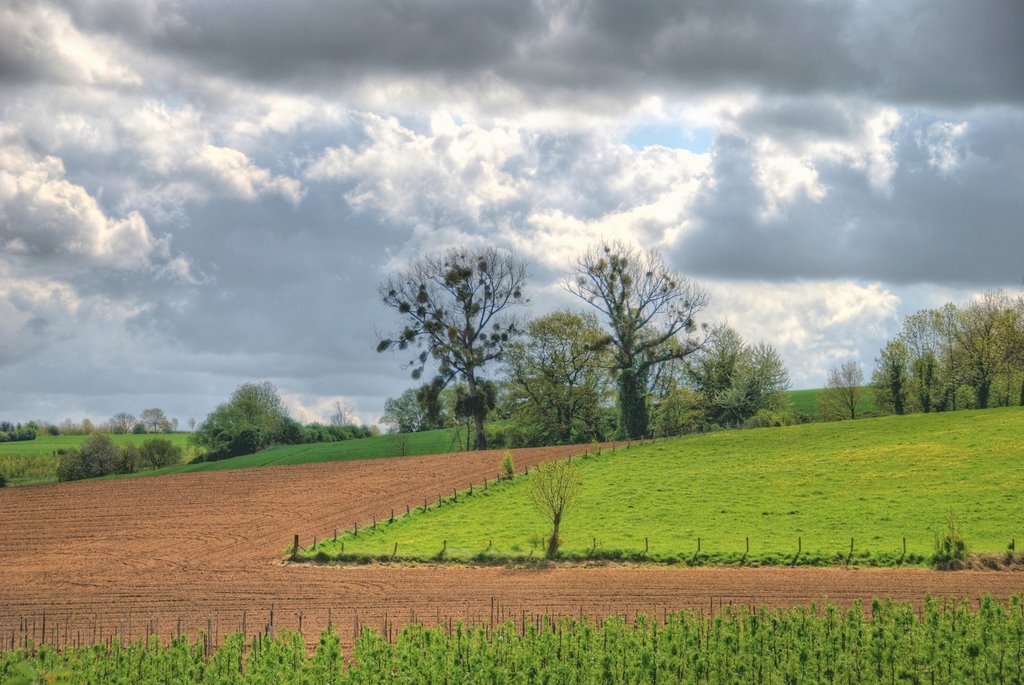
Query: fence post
(295,548)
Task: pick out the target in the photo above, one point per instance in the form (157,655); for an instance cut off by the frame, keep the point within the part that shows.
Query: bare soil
(202,551)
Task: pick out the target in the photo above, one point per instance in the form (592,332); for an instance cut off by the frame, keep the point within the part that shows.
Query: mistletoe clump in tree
(650,311)
(453,307)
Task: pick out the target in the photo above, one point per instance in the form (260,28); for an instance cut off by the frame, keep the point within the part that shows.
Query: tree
(252,419)
(975,329)
(343,414)
(891,377)
(454,308)
(554,490)
(191,425)
(843,389)
(121,423)
(405,414)
(154,419)
(736,380)
(648,307)
(558,378)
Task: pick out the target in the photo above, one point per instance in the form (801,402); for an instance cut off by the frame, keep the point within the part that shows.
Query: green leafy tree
(558,378)
(891,378)
(405,414)
(454,307)
(736,380)
(252,419)
(555,489)
(650,311)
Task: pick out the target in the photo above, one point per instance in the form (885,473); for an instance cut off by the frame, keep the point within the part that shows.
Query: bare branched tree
(454,307)
(843,389)
(651,311)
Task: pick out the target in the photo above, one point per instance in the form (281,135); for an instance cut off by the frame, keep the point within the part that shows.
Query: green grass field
(876,480)
(47,444)
(806,401)
(378,447)
(32,462)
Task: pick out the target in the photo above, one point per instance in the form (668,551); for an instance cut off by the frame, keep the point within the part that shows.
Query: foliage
(406,413)
(554,490)
(842,392)
(735,380)
(453,306)
(158,452)
(959,356)
(507,467)
(558,379)
(98,456)
(950,545)
(11,432)
(891,378)
(253,418)
(679,412)
(947,641)
(875,480)
(650,311)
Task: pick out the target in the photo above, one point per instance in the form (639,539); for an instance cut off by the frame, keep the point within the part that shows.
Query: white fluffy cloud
(813,324)
(43,214)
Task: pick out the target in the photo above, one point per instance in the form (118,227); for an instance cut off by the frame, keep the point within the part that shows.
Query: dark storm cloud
(328,40)
(946,51)
(960,225)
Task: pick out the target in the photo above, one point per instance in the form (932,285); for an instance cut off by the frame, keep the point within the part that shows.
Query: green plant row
(943,642)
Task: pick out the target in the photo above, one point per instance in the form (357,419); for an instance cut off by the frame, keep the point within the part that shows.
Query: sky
(195,195)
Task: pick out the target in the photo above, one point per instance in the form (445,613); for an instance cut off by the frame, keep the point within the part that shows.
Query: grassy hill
(806,401)
(378,447)
(876,480)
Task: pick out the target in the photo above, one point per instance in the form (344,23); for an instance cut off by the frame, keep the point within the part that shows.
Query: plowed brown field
(189,551)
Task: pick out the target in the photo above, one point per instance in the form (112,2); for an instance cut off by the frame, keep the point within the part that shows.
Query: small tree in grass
(555,489)
(951,545)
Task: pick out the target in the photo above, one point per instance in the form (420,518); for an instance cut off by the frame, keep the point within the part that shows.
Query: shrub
(3,481)
(507,466)
(139,428)
(951,545)
(159,452)
(98,456)
(128,460)
(70,465)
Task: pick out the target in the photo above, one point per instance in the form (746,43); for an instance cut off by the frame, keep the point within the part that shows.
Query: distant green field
(806,401)
(817,485)
(41,466)
(427,442)
(31,462)
(46,444)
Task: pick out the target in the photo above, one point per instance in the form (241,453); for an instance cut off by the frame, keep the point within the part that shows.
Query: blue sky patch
(670,135)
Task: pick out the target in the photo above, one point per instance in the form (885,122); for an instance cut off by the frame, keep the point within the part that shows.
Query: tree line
(958,356)
(635,361)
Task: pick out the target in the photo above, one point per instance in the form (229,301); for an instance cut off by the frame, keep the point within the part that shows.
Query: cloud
(43,215)
(42,42)
(814,325)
